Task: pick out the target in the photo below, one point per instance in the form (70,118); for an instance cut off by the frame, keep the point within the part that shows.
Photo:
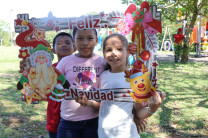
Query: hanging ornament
(140,22)
(132,48)
(145,55)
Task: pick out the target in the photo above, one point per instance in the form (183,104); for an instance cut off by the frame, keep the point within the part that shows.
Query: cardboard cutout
(142,25)
(42,81)
(103,20)
(40,78)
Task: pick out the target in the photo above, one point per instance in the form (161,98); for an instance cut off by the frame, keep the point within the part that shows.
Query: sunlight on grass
(16,117)
(186,88)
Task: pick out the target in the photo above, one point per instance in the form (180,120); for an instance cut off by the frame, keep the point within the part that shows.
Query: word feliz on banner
(102,20)
(84,22)
(119,94)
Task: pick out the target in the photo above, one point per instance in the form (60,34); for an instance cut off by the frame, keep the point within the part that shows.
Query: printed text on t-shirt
(82,69)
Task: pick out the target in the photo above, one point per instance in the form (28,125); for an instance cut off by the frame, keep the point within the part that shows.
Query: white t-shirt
(115,118)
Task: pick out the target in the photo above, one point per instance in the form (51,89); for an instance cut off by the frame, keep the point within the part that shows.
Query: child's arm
(22,65)
(140,123)
(83,101)
(153,104)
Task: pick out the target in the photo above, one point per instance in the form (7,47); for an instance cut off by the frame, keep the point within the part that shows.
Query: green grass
(184,112)
(16,118)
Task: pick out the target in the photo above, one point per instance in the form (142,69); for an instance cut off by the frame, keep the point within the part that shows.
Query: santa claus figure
(42,77)
(40,80)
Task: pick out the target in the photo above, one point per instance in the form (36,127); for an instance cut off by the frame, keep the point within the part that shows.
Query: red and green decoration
(139,21)
(179,37)
(40,80)
(23,54)
(143,27)
(57,95)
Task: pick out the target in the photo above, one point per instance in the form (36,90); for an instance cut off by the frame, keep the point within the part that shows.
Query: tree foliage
(49,36)
(169,8)
(5,33)
(190,9)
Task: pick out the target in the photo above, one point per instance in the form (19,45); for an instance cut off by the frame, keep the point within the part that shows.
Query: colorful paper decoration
(139,20)
(103,20)
(140,83)
(142,25)
(40,80)
(37,51)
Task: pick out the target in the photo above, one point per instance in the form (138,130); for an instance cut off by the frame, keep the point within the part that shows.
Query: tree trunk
(185,53)
(185,49)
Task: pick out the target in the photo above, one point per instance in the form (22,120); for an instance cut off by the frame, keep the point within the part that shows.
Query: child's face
(85,41)
(115,54)
(64,46)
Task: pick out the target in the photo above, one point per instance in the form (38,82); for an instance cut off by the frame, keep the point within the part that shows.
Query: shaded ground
(169,57)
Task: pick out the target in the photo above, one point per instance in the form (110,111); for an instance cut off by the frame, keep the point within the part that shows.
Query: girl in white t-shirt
(116,118)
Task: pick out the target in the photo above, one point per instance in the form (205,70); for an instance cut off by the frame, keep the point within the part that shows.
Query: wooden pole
(163,38)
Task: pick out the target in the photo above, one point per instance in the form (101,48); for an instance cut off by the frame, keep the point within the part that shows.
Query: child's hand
(140,124)
(23,64)
(154,102)
(82,100)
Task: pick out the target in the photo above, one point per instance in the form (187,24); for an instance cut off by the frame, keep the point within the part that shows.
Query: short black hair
(61,34)
(75,30)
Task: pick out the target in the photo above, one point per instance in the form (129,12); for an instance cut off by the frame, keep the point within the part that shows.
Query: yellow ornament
(24,22)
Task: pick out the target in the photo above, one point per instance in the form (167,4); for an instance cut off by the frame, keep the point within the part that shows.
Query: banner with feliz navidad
(40,80)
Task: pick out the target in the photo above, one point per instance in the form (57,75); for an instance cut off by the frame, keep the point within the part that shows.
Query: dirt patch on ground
(169,57)
(13,120)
